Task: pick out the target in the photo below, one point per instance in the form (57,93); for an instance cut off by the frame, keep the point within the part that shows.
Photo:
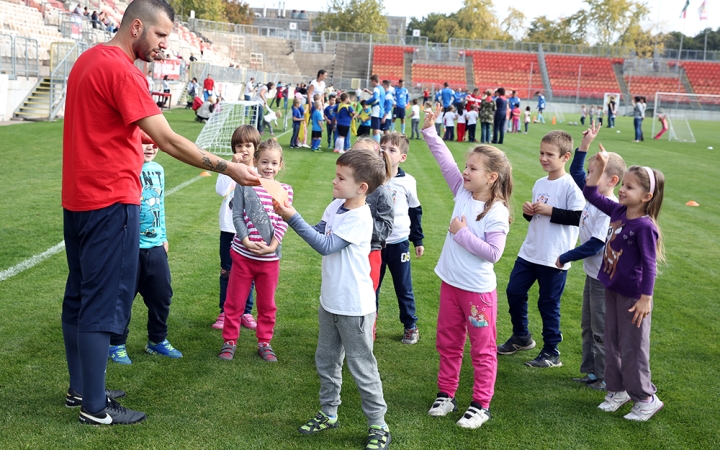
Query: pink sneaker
(220,322)
(248,321)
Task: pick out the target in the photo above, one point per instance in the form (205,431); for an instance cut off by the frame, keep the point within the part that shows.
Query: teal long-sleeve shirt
(152,205)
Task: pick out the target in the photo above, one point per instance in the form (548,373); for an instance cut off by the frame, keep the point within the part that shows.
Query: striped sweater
(250,220)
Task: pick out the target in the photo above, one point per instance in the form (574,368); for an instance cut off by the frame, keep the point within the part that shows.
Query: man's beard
(143,50)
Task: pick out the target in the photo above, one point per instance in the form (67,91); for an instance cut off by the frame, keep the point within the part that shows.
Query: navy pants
(551,282)
(485,134)
(449,134)
(499,130)
(471,132)
(225,267)
(331,135)
(295,133)
(396,258)
(153,283)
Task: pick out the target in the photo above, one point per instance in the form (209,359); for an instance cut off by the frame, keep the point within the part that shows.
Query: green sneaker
(118,353)
(378,438)
(317,150)
(318,423)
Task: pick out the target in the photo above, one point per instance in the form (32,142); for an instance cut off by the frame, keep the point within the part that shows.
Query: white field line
(37,259)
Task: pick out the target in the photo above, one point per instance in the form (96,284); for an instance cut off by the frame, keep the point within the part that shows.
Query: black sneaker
(544,360)
(73,399)
(113,414)
(515,344)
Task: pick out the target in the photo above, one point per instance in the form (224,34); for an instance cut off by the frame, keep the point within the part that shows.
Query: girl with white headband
(628,272)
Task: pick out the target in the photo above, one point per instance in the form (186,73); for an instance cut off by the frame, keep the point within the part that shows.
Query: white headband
(651,175)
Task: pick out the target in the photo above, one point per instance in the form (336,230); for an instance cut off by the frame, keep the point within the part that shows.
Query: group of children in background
(367,229)
(593,114)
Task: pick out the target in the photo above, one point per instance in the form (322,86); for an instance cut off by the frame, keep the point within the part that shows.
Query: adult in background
(261,96)
(473,99)
(208,86)
(540,107)
(638,112)
(317,86)
(500,116)
(150,81)
(447,97)
(513,101)
(402,98)
(426,95)
(249,89)
(487,116)
(611,112)
(101,197)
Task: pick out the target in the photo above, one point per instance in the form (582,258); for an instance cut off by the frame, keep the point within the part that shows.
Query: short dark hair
(500,90)
(244,134)
(375,78)
(367,166)
(146,11)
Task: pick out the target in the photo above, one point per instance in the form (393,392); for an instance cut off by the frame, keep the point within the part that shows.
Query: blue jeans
(551,282)
(332,134)
(296,132)
(396,257)
(485,132)
(611,120)
(638,128)
(499,130)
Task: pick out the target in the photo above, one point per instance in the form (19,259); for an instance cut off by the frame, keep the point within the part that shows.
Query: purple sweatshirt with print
(629,265)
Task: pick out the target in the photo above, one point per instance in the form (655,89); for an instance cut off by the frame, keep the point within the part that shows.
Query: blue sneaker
(163,348)
(118,353)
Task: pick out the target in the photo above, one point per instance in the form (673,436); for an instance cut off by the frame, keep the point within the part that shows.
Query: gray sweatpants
(350,336)
(627,348)
(593,328)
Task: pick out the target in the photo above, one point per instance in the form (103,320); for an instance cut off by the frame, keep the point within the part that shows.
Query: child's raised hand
(285,211)
(430,116)
(602,158)
(588,136)
(456,225)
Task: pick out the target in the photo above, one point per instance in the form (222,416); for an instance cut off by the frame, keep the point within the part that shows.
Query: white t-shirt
(457,266)
(472,117)
(415,112)
(225,187)
(461,118)
(375,111)
(546,241)
(318,88)
(249,88)
(527,116)
(347,288)
(439,119)
(449,119)
(594,224)
(404,194)
(263,90)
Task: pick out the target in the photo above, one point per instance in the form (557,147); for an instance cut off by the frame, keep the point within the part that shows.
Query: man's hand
(242,174)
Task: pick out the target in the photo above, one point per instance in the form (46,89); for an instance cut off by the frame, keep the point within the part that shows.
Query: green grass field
(200,401)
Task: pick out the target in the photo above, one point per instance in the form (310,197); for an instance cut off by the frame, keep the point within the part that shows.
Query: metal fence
(691,55)
(535,47)
(19,56)
(200,25)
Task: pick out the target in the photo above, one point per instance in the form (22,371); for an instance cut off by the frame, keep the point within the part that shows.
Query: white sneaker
(642,412)
(614,400)
(474,418)
(442,405)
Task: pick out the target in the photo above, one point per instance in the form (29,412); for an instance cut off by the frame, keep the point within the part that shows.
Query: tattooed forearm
(219,166)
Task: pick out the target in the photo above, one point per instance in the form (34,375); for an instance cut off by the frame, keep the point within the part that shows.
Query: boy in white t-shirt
(593,232)
(554,215)
(449,122)
(347,300)
(472,117)
(438,120)
(415,120)
(407,227)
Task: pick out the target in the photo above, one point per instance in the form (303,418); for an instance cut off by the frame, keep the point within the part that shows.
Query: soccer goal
(554,110)
(227,116)
(676,107)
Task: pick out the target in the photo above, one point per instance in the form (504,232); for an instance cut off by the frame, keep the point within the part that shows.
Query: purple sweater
(629,264)
(490,250)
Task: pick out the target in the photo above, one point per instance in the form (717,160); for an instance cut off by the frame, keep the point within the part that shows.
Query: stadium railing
(19,56)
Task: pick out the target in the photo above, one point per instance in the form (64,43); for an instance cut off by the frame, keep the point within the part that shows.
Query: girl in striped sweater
(255,254)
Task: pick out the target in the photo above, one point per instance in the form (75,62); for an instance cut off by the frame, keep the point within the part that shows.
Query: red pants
(657,136)
(467,313)
(244,271)
(461,132)
(375,262)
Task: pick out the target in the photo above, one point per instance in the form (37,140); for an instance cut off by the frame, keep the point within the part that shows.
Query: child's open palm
(430,116)
(589,136)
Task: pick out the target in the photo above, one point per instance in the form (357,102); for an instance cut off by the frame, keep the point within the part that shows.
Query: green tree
(475,20)
(237,12)
(204,9)
(358,16)
(561,31)
(513,26)
(608,21)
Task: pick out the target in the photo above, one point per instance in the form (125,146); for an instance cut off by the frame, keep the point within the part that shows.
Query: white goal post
(227,116)
(675,107)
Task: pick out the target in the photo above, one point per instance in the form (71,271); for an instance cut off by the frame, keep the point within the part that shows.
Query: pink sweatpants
(462,313)
(244,271)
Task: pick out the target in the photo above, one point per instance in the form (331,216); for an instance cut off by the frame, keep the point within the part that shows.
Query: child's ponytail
(388,165)
(501,189)
(652,208)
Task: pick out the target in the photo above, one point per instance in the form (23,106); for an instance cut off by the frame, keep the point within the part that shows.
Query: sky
(667,12)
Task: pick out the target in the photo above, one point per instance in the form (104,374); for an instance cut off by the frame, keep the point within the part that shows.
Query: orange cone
(554,120)
(692,203)
(205,174)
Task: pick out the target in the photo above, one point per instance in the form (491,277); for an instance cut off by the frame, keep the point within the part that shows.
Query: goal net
(676,108)
(557,112)
(227,116)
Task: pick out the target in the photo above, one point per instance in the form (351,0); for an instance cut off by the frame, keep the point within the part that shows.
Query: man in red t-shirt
(107,116)
(208,86)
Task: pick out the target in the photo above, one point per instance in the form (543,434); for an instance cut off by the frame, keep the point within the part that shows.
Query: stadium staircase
(544,73)
(407,75)
(618,69)
(36,106)
(469,72)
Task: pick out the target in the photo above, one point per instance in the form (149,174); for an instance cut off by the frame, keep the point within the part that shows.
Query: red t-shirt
(209,84)
(102,151)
